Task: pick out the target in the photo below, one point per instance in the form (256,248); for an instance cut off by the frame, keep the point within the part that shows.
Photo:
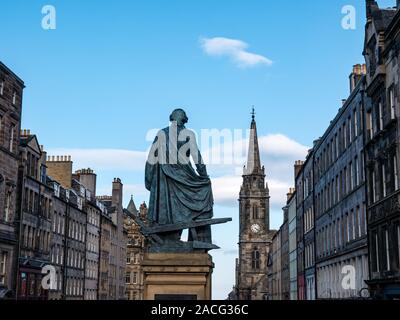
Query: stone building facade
(35,213)
(84,182)
(291,207)
(306,230)
(11,91)
(381,51)
(301,286)
(106,225)
(275,268)
(284,234)
(340,217)
(135,252)
(279,258)
(70,223)
(116,248)
(255,236)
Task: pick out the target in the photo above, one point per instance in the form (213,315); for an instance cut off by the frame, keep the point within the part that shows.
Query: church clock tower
(255,236)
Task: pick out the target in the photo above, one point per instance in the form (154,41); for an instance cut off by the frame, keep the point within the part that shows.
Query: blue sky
(112,70)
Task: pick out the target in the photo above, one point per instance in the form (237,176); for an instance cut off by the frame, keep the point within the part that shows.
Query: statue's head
(179,116)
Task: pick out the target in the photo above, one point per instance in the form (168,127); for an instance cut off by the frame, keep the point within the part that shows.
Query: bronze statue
(180,197)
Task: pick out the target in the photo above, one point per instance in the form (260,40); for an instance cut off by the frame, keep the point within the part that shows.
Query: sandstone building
(112,274)
(35,215)
(11,91)
(135,251)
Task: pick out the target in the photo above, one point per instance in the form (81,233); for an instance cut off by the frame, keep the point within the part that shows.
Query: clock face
(255,228)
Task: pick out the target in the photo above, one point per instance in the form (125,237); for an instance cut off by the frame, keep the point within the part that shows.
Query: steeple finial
(253,113)
(253,160)
(132,207)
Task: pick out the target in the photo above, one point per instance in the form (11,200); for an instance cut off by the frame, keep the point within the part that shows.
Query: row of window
(75,286)
(310,288)
(77,230)
(37,204)
(330,278)
(344,183)
(133,258)
(58,223)
(36,238)
(57,254)
(131,278)
(3,266)
(309,255)
(92,243)
(92,269)
(94,217)
(309,220)
(340,141)
(75,258)
(385,248)
(90,294)
(3,89)
(349,227)
(32,165)
(376,116)
(384,179)
(8,135)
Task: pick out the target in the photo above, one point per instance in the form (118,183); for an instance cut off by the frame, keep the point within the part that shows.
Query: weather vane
(253,113)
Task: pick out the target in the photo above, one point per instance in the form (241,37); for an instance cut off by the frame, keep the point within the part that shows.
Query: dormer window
(2,83)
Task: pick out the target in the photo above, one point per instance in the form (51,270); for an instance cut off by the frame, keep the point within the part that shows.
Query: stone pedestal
(177,276)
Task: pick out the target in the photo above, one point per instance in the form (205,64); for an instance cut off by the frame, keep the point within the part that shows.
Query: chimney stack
(359,70)
(88,178)
(298,165)
(290,193)
(117,188)
(60,169)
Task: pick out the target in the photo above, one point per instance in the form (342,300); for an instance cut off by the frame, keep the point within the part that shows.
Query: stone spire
(132,207)
(253,157)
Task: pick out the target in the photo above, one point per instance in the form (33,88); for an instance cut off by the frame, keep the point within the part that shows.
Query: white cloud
(226,190)
(105,159)
(234,49)
(278,154)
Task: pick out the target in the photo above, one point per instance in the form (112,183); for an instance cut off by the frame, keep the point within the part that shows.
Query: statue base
(177,276)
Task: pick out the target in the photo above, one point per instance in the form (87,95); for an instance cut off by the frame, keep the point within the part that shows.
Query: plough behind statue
(161,242)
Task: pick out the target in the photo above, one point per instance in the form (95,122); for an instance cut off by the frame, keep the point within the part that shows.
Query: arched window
(255,259)
(255,212)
